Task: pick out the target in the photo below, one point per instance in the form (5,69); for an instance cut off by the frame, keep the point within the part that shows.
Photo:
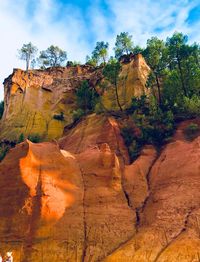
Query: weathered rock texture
(80,200)
(168,220)
(56,205)
(33,99)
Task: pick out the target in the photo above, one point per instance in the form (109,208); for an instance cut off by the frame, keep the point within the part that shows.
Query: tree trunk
(117,96)
(159,92)
(181,74)
(27,63)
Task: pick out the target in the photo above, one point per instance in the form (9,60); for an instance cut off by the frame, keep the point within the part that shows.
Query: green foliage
(3,151)
(86,97)
(98,108)
(35,138)
(191,131)
(154,124)
(73,63)
(100,53)
(53,56)
(178,58)
(139,104)
(157,125)
(111,73)
(132,141)
(191,106)
(91,61)
(59,117)
(21,138)
(1,108)
(123,44)
(156,57)
(137,50)
(77,114)
(27,53)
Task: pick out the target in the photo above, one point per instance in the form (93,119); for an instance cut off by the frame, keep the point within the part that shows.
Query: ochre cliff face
(56,205)
(168,206)
(81,199)
(33,99)
(132,80)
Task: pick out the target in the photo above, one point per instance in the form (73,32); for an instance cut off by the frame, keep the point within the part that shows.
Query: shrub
(154,124)
(1,109)
(191,131)
(139,104)
(98,108)
(133,141)
(3,151)
(21,138)
(77,114)
(35,138)
(192,105)
(135,149)
(86,97)
(59,117)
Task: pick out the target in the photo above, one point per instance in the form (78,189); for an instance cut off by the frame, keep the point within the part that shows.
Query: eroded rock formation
(81,199)
(33,99)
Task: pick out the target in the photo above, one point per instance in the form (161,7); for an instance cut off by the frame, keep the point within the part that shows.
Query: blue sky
(76,25)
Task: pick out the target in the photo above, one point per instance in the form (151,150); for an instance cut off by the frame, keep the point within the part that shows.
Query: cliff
(81,200)
(79,197)
(34,98)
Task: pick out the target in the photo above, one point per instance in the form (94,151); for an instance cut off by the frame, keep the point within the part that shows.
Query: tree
(177,53)
(100,52)
(137,50)
(1,108)
(86,97)
(155,55)
(91,61)
(111,73)
(27,53)
(123,44)
(53,56)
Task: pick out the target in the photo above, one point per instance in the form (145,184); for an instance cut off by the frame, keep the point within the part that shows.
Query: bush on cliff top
(1,109)
(86,97)
(154,125)
(3,151)
(35,138)
(191,131)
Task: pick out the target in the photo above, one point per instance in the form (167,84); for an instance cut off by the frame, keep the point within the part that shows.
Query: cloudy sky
(76,25)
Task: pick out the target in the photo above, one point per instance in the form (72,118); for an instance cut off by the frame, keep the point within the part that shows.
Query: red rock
(78,201)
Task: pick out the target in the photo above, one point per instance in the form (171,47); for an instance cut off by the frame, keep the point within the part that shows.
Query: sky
(76,25)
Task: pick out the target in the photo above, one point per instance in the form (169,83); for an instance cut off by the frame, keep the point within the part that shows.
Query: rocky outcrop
(132,80)
(81,199)
(93,131)
(58,205)
(168,228)
(34,98)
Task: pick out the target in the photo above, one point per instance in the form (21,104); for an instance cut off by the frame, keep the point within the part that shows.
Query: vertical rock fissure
(183,229)
(84,218)
(126,196)
(140,209)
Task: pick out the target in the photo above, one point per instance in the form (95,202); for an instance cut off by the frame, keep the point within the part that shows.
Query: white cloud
(77,31)
(16,28)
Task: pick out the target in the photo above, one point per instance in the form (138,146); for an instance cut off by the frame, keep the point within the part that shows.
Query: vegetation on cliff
(172,88)
(174,83)
(1,108)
